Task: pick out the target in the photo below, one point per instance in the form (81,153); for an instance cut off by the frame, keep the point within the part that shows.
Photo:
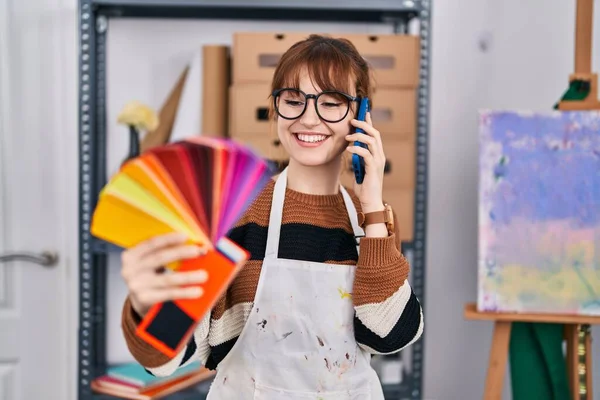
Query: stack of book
(132,381)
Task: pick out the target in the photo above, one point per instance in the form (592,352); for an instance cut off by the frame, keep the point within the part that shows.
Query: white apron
(298,341)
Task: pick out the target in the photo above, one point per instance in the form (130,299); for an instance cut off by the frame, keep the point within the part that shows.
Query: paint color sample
(200,187)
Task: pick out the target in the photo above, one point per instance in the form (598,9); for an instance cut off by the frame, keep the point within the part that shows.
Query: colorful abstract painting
(539,212)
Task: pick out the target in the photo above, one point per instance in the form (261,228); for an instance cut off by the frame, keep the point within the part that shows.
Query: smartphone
(358,163)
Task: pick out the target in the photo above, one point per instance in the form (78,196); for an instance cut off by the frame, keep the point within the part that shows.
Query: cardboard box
(402,202)
(266,145)
(248,109)
(394,58)
(394,110)
(400,165)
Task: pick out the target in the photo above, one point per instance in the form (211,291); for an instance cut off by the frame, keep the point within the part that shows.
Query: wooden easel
(500,341)
(577,328)
(580,335)
(583,58)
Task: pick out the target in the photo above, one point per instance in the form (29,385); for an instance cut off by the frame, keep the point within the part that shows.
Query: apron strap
(274,229)
(358,231)
(276,216)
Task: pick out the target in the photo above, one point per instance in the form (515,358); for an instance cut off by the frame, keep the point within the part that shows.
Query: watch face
(390,218)
(389,213)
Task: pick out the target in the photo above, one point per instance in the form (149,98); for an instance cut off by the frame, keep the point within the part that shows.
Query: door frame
(66,132)
(4,94)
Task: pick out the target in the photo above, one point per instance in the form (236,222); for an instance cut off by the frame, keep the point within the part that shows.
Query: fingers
(158,251)
(366,126)
(148,289)
(366,154)
(155,296)
(178,279)
(370,131)
(374,157)
(147,286)
(169,255)
(368,119)
(361,137)
(371,152)
(152,244)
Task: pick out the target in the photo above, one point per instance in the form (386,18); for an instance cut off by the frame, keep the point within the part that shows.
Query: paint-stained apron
(298,341)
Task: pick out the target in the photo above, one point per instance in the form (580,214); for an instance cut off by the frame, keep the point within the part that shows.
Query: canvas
(539,212)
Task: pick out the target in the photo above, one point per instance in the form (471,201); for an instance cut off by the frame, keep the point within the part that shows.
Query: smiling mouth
(312,138)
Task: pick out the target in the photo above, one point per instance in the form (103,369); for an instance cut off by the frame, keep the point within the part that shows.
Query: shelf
(102,247)
(94,26)
(291,10)
(396,392)
(287,4)
(198,392)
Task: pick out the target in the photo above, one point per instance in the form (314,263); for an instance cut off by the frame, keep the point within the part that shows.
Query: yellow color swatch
(148,180)
(142,202)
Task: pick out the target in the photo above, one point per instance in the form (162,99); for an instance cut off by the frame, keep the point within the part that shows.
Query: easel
(583,59)
(577,328)
(499,349)
(578,337)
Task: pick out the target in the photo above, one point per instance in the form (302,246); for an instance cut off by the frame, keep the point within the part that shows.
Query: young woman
(314,302)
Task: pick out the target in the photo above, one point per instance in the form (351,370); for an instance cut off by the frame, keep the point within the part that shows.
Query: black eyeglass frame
(350,98)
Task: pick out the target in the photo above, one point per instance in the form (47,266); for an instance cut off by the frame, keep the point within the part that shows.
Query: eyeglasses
(331,106)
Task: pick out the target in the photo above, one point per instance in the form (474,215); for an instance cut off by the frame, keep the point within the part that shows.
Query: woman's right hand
(147,284)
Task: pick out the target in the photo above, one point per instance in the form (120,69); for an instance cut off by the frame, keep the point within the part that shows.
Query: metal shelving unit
(94,17)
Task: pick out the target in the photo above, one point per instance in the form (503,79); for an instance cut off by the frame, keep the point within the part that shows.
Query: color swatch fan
(199,186)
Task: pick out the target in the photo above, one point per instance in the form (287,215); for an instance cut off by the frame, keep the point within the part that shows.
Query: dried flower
(138,115)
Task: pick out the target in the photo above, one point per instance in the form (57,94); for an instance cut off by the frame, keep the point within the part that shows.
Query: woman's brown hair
(331,63)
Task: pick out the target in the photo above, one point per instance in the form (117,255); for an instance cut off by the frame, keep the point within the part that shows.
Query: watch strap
(375,217)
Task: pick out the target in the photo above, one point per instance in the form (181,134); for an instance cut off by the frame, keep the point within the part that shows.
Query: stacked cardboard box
(395,62)
(249,94)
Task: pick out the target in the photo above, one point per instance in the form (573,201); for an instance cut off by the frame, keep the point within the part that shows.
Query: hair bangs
(331,64)
(326,66)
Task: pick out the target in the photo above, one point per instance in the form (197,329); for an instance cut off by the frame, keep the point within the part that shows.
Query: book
(132,381)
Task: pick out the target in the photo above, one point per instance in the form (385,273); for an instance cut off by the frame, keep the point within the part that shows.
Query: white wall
(525,66)
(455,350)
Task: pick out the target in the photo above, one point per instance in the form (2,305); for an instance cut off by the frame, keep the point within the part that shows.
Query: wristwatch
(376,217)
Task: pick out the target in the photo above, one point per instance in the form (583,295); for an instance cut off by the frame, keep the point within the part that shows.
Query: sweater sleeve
(388,316)
(199,347)
(153,360)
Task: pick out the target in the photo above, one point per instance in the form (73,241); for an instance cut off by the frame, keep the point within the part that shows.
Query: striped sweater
(388,316)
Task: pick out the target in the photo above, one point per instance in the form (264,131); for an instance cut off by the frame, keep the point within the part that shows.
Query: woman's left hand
(371,189)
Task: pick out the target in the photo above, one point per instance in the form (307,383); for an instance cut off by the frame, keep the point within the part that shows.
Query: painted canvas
(539,212)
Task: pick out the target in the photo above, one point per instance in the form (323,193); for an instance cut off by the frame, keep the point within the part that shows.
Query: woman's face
(309,140)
